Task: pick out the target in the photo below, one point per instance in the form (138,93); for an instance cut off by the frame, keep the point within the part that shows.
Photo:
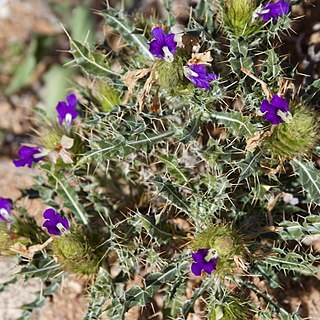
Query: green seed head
(75,252)
(297,135)
(50,137)
(169,75)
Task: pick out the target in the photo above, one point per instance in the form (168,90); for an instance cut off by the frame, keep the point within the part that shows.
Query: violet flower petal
(156,49)
(273,118)
(196,269)
(199,255)
(210,266)
(72,100)
(274,10)
(198,76)
(5,203)
(51,229)
(49,213)
(265,106)
(281,103)
(158,34)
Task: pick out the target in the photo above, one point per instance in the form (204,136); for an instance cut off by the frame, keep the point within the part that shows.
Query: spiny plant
(185,170)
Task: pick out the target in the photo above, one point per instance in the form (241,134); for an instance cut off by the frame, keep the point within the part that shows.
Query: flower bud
(108,96)
(237,16)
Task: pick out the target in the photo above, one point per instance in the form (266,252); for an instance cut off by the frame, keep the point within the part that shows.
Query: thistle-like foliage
(181,176)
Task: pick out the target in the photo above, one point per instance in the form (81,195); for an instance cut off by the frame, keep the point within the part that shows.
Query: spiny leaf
(169,192)
(137,296)
(312,93)
(121,146)
(188,305)
(173,168)
(248,166)
(126,29)
(190,132)
(293,230)
(140,221)
(272,67)
(309,178)
(291,261)
(90,62)
(235,121)
(100,292)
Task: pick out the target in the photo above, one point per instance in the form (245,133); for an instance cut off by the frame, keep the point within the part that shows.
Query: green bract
(296,136)
(238,17)
(76,252)
(169,75)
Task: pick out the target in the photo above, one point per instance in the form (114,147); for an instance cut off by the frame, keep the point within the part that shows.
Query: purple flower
(67,110)
(55,224)
(28,155)
(5,208)
(276,110)
(197,74)
(274,10)
(163,46)
(204,260)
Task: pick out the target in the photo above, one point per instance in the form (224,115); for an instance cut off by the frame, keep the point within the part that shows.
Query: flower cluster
(188,151)
(164,47)
(66,112)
